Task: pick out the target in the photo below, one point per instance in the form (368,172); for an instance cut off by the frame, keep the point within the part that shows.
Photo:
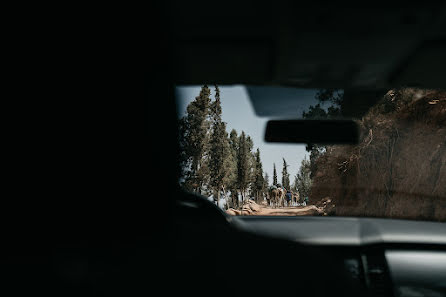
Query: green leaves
(285,175)
(274,175)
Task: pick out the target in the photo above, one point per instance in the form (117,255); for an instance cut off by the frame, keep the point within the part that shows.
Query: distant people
(288,197)
(306,200)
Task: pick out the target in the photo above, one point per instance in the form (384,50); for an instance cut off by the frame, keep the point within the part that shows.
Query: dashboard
(383,257)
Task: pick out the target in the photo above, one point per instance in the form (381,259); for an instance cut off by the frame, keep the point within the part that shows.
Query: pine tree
(194,138)
(285,175)
(233,181)
(274,175)
(265,182)
(259,181)
(243,166)
(251,162)
(219,150)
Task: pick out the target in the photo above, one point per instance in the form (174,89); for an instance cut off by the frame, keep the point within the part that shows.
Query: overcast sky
(239,114)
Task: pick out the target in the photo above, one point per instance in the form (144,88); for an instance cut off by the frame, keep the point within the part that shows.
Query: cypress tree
(259,181)
(285,175)
(233,180)
(219,150)
(194,138)
(243,165)
(274,175)
(266,181)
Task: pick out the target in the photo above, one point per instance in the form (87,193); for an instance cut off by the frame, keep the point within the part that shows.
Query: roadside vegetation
(398,170)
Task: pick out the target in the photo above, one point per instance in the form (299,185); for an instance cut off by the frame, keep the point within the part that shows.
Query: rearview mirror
(312,131)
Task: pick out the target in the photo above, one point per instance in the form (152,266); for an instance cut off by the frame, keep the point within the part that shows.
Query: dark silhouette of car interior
(181,244)
(365,50)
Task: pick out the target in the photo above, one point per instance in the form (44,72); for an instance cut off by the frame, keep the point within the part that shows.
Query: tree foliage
(220,155)
(213,162)
(259,183)
(265,182)
(335,98)
(194,141)
(243,165)
(285,175)
(233,187)
(274,175)
(302,181)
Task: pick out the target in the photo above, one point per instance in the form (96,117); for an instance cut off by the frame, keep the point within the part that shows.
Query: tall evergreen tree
(266,182)
(252,163)
(219,150)
(274,175)
(233,183)
(194,140)
(258,182)
(243,166)
(285,175)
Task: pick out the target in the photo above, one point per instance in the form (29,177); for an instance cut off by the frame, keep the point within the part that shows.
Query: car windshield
(397,170)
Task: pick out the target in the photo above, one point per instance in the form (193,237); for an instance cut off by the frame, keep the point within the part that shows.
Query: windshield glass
(397,170)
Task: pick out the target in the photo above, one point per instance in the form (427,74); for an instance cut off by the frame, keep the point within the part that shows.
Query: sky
(238,112)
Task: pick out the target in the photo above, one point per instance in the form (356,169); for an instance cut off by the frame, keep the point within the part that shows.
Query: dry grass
(399,168)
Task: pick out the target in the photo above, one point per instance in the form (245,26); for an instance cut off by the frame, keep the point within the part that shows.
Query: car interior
(363,49)
(161,239)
